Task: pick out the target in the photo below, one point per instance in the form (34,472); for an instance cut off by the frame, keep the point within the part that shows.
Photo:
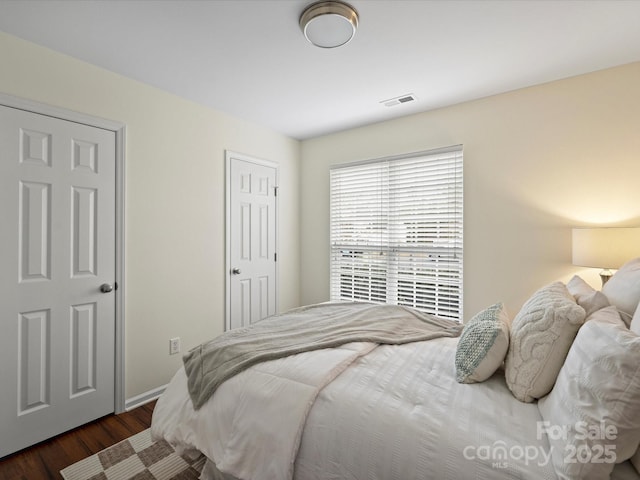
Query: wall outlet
(174,346)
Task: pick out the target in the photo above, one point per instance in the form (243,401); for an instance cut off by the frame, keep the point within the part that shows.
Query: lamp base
(605,275)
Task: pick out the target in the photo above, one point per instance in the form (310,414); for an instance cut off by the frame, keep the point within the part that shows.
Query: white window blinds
(396,231)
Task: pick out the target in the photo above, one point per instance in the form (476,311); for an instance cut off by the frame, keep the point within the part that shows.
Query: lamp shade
(607,248)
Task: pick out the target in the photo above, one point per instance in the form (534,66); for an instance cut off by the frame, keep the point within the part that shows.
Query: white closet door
(252,224)
(57,257)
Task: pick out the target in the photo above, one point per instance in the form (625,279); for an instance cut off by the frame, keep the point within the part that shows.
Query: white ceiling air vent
(409,97)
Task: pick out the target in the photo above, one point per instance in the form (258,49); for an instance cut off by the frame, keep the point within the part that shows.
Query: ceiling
(249,58)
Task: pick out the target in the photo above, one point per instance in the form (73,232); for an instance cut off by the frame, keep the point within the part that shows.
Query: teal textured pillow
(483,345)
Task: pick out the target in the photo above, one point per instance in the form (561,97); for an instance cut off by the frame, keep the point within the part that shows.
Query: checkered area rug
(136,458)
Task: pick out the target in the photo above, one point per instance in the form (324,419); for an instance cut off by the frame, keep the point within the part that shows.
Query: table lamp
(606,247)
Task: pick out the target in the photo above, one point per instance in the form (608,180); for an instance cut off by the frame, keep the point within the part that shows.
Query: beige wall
(175,209)
(537,161)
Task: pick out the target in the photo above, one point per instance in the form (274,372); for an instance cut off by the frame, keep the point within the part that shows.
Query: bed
(376,410)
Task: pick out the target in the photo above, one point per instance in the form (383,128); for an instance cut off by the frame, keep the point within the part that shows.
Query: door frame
(229,156)
(119,129)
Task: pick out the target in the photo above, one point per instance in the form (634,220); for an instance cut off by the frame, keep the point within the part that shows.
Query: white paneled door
(57,257)
(251,237)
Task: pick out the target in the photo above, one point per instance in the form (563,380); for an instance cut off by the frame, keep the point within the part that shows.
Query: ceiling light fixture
(329,24)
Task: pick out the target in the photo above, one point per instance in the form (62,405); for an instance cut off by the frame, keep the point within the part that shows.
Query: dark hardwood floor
(45,460)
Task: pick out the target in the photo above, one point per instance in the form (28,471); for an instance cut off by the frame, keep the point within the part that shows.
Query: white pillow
(586,296)
(635,460)
(483,344)
(541,335)
(635,327)
(592,415)
(635,321)
(623,289)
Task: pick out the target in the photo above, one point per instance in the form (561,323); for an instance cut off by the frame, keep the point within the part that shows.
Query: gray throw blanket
(304,329)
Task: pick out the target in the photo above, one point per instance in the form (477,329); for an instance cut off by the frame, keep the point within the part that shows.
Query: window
(396,231)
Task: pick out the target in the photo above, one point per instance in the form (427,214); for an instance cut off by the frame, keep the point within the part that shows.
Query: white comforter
(252,425)
(361,413)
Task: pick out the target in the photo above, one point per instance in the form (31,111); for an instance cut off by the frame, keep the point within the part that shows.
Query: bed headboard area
(576,352)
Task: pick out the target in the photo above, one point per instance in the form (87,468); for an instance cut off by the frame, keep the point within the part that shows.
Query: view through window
(396,231)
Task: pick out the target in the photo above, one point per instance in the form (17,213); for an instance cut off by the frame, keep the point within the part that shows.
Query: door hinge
(275,257)
(275,191)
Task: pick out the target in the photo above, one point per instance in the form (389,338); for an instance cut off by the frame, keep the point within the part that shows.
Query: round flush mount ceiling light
(329,24)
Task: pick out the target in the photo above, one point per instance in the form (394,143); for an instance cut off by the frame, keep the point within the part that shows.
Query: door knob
(235,271)
(106,288)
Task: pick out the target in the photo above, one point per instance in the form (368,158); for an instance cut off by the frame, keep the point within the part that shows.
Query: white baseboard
(143,398)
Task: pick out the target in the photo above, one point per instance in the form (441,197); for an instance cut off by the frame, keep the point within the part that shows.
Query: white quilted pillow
(541,335)
(592,415)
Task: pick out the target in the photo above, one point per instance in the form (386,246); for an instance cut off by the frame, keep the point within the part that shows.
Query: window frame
(412,242)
